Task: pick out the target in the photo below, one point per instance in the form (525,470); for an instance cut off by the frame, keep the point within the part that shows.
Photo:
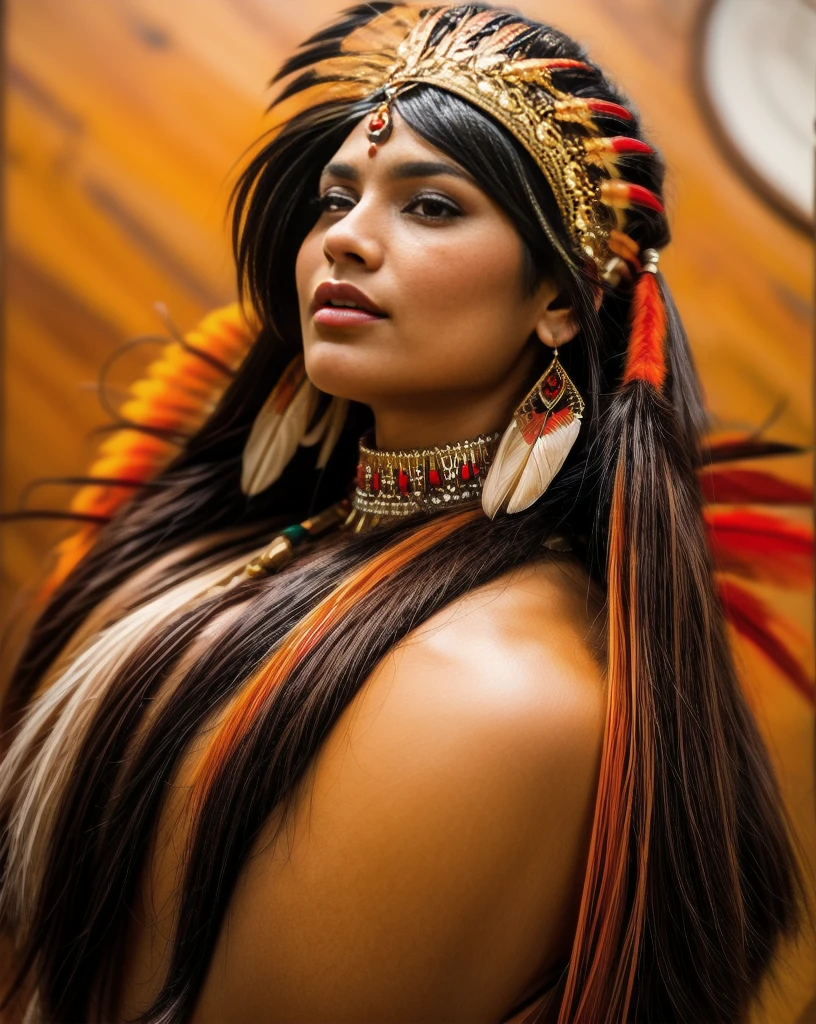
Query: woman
(455,735)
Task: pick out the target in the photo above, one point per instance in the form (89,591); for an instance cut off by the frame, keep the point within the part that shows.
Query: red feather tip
(611,109)
(580,110)
(625,144)
(623,194)
(556,63)
(616,144)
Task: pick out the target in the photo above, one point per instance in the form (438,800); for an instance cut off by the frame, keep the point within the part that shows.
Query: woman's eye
(327,201)
(436,208)
(428,207)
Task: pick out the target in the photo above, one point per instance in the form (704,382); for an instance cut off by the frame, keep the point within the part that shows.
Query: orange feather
(645,356)
(178,392)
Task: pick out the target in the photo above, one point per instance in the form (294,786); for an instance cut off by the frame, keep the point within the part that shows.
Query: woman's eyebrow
(410,169)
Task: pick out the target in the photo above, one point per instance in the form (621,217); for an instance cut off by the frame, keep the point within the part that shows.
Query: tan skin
(461,343)
(433,868)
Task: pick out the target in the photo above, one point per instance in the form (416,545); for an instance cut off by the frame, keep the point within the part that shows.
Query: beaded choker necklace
(392,484)
(389,486)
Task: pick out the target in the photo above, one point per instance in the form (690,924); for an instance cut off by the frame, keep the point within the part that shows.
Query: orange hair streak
(646,358)
(598,953)
(306,634)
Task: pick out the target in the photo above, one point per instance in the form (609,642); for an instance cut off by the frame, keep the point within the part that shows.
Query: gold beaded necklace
(403,482)
(390,485)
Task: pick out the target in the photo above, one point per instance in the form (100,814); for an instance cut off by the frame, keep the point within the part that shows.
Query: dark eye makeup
(437,207)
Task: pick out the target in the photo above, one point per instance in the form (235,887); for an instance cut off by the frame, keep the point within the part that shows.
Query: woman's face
(411,229)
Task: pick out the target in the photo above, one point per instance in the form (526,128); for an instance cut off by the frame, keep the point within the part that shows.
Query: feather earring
(533,448)
(282,425)
(278,428)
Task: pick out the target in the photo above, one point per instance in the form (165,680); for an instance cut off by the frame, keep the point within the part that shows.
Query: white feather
(38,764)
(505,469)
(274,438)
(547,456)
(319,429)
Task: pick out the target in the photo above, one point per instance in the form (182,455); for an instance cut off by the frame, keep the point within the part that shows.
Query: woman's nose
(355,238)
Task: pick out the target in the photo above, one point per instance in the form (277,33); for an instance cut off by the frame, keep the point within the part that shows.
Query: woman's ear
(557,323)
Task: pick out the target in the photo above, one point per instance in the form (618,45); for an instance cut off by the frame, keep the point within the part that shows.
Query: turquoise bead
(296,533)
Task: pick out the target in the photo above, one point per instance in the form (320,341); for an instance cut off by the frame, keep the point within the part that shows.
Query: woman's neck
(444,418)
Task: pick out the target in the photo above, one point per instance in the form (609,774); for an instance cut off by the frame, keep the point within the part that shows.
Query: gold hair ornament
(398,49)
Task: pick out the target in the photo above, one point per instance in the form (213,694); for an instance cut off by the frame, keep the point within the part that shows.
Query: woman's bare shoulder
(446,826)
(550,607)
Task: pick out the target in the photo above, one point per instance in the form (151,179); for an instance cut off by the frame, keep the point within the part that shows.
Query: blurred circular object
(756,74)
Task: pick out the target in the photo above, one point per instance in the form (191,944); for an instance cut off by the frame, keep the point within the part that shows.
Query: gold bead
(278,553)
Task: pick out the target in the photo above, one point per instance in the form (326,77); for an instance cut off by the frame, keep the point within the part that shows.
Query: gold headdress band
(396,51)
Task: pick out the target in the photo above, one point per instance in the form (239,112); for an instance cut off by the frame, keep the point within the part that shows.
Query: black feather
(328,41)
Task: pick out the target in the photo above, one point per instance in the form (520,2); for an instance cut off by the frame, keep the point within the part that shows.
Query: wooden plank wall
(125,121)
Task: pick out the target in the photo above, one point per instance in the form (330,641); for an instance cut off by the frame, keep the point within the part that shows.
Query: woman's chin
(339,370)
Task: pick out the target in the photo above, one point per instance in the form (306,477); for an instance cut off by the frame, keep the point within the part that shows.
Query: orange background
(125,121)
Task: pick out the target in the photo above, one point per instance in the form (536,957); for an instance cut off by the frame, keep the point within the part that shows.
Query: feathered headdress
(378,51)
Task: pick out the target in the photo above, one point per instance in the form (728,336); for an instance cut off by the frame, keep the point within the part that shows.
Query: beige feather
(546,457)
(319,429)
(274,437)
(505,469)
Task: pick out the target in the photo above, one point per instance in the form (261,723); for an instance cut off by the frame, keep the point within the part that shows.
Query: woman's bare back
(433,864)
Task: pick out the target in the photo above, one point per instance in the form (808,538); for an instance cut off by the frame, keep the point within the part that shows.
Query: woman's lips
(342,304)
(344,316)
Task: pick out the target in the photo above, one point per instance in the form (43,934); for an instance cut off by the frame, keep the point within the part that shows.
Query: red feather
(623,194)
(607,151)
(760,546)
(580,110)
(750,617)
(746,486)
(610,109)
(527,70)
(562,62)
(755,545)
